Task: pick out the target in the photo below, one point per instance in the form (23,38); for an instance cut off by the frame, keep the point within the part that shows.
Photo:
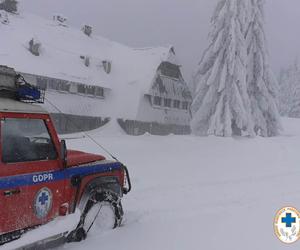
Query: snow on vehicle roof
(10,105)
(132,73)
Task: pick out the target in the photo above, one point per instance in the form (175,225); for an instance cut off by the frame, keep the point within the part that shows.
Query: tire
(102,211)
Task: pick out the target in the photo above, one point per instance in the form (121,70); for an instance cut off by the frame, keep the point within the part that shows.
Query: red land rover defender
(39,178)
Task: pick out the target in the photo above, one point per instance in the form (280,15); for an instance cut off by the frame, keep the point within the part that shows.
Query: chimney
(107,66)
(87,30)
(34,47)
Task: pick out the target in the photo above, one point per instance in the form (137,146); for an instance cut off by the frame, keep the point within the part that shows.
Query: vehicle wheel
(101,217)
(102,211)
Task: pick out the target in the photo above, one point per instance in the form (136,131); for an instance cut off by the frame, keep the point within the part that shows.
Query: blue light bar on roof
(29,93)
(15,87)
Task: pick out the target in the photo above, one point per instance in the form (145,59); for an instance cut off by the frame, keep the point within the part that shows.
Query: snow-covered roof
(132,71)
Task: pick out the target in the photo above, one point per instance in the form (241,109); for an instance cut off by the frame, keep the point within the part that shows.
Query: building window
(176,104)
(64,86)
(81,88)
(170,70)
(41,83)
(157,100)
(167,103)
(91,90)
(185,105)
(99,92)
(52,84)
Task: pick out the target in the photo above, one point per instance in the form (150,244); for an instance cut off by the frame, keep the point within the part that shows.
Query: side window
(26,140)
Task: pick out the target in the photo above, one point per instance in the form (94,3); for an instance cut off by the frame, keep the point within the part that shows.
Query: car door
(31,177)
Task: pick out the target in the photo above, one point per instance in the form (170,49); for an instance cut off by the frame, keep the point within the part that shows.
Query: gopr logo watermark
(287,225)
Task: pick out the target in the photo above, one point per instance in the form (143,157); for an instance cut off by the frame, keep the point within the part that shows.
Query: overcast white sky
(182,23)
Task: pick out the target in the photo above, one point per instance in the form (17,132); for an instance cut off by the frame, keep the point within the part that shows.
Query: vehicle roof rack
(14,86)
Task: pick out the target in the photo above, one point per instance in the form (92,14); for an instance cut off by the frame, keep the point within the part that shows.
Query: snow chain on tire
(79,233)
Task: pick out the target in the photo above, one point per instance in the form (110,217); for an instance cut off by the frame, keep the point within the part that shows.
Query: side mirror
(63,153)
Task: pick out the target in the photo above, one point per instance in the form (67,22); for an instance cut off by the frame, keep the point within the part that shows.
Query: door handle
(11,192)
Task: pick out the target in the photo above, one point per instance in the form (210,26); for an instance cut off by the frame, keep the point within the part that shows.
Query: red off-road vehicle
(39,178)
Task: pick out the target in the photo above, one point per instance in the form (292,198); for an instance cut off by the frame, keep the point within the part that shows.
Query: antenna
(125,190)
(86,134)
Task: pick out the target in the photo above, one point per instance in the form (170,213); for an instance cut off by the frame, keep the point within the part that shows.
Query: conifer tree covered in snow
(289,94)
(9,5)
(262,86)
(236,90)
(221,105)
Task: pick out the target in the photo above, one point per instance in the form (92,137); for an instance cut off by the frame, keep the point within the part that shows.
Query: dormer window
(170,70)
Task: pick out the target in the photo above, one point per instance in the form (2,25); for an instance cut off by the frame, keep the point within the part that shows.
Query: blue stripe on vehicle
(68,173)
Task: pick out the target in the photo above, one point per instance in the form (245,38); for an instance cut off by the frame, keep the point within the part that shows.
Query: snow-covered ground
(201,193)
(196,193)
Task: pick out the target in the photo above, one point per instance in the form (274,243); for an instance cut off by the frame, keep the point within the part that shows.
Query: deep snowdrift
(202,193)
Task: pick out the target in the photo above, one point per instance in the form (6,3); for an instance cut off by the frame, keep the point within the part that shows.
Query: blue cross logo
(43,198)
(288,220)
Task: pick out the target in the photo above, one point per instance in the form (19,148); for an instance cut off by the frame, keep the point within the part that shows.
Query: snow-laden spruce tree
(262,86)
(9,5)
(289,94)
(221,105)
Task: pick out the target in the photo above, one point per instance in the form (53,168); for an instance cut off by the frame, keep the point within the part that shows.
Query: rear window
(26,140)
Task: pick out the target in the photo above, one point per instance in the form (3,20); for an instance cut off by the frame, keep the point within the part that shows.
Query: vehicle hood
(76,158)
